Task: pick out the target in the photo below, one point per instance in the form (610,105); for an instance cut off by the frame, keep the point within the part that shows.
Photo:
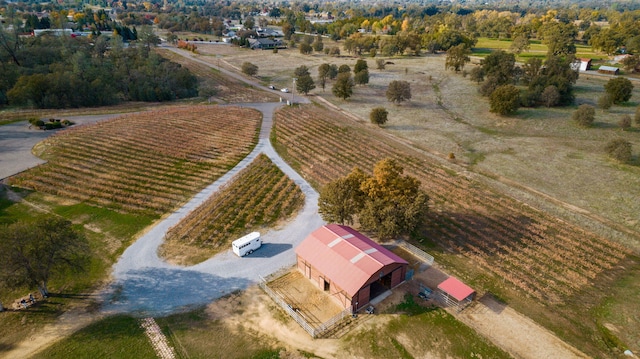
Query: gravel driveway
(146,285)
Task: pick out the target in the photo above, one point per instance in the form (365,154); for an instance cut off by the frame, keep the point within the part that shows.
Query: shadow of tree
(161,291)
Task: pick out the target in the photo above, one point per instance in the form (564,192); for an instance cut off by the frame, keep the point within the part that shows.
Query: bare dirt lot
(314,305)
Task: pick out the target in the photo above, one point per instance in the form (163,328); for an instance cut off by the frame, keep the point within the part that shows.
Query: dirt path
(515,333)
(503,326)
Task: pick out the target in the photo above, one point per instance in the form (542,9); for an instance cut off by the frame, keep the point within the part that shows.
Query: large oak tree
(31,253)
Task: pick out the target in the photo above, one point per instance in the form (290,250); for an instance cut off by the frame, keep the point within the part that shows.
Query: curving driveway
(146,285)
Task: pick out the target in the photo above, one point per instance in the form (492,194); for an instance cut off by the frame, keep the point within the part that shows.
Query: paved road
(146,285)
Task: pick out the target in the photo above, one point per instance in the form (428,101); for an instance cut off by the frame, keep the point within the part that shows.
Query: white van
(247,244)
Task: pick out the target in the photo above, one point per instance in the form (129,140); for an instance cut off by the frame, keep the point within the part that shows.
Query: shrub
(605,101)
(550,96)
(619,149)
(529,98)
(305,48)
(620,89)
(378,116)
(625,122)
(361,77)
(249,69)
(344,68)
(505,100)
(380,64)
(637,116)
(584,115)
(398,91)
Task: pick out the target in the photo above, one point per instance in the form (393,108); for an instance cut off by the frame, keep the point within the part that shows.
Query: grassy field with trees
(525,203)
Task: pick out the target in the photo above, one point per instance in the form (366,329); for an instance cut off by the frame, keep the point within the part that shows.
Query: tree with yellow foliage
(386,202)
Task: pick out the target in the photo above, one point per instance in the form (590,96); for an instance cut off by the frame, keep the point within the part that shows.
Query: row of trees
(59,72)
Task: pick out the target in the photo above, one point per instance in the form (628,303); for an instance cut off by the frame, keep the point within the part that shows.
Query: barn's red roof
(345,256)
(455,288)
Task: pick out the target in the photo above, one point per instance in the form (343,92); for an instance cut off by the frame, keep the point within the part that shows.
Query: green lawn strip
(119,336)
(108,234)
(616,316)
(195,335)
(421,331)
(122,226)
(485,46)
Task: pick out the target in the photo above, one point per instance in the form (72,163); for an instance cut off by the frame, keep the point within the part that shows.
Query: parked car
(370,309)
(285,90)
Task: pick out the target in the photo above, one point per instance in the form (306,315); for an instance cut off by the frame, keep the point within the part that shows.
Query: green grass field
(486,45)
(114,337)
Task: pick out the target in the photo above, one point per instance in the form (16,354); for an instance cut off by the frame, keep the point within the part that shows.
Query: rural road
(147,286)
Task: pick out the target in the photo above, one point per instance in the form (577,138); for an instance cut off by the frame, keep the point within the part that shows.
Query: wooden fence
(313,331)
(426,257)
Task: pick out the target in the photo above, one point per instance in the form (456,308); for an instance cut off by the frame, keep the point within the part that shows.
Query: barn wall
(399,267)
(362,297)
(397,276)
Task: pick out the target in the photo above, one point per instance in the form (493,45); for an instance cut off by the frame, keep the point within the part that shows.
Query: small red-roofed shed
(350,266)
(455,293)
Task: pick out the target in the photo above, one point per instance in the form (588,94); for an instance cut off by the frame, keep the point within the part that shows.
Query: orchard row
(147,162)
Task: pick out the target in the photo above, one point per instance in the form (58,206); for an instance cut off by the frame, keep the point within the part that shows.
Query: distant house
(618,58)
(609,70)
(585,65)
(54,32)
(264,44)
(266,32)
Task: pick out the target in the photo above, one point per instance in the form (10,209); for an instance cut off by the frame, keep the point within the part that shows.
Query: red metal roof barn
(350,266)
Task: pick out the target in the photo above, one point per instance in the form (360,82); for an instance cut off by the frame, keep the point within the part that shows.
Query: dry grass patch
(228,89)
(540,148)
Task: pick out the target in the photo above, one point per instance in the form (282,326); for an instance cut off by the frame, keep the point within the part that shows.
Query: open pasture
(148,162)
(227,89)
(486,45)
(260,196)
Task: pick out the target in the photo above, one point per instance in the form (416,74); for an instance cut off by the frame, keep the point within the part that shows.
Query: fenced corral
(426,257)
(307,320)
(448,301)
